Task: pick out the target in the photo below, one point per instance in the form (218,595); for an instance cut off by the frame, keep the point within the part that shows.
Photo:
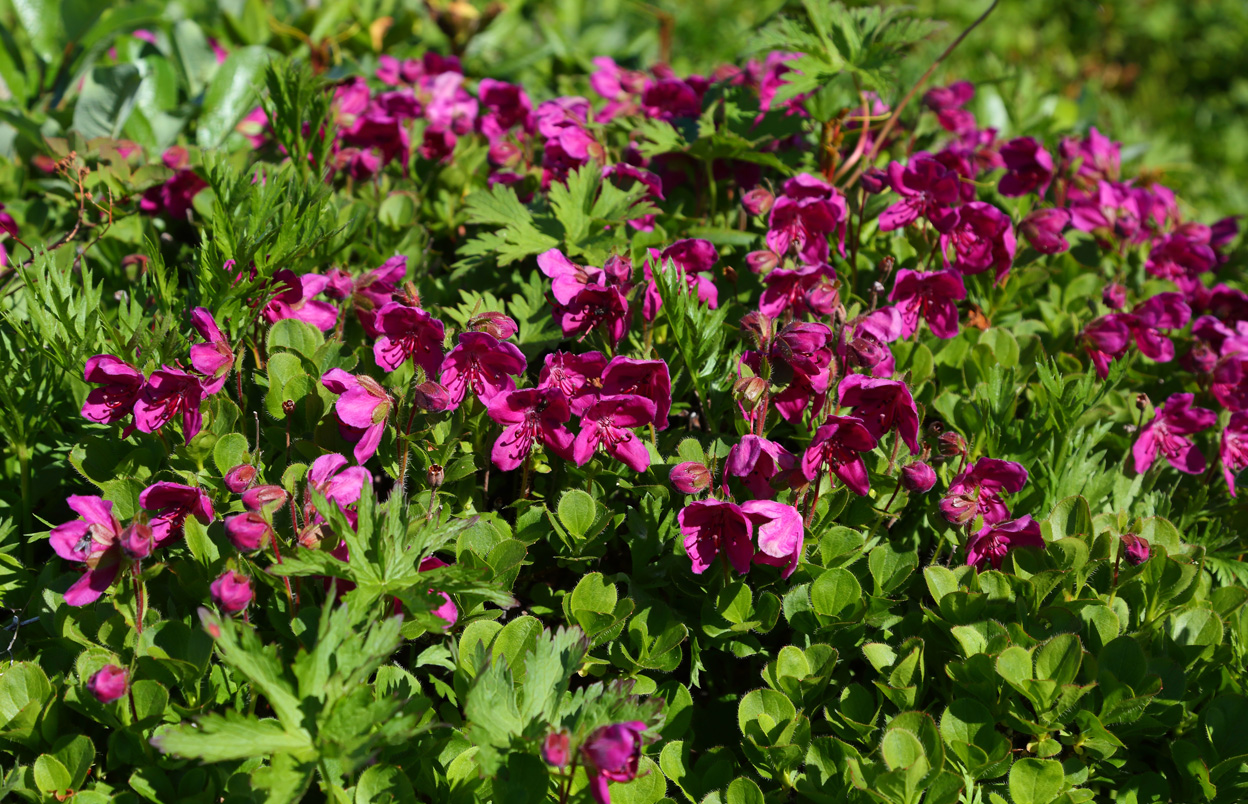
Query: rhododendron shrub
(424,418)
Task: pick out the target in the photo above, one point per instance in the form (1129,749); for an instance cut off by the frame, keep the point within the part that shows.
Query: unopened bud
(109,683)
(260,496)
(759,327)
(496,324)
(690,477)
(555,749)
(918,477)
(867,352)
(288,407)
(951,444)
(1114,296)
(240,478)
(762,262)
(750,390)
(873,180)
(248,531)
(758,201)
(1137,548)
(232,592)
(431,397)
(137,540)
(435,476)
(1141,401)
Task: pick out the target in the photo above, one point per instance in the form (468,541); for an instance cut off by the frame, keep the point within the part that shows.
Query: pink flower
(371,290)
(121,384)
(882,405)
(240,478)
(578,377)
(611,754)
(989,546)
(137,540)
(329,475)
(1182,255)
(295,300)
(363,405)
(95,540)
(1136,548)
(604,308)
(1028,168)
(932,297)
(947,103)
(648,378)
(809,289)
(982,238)
(173,198)
(258,497)
(168,392)
(173,503)
(606,423)
(555,749)
(109,683)
(926,187)
(232,592)
(839,443)
(805,215)
(1167,435)
(871,335)
(482,362)
(712,527)
(690,477)
(1233,448)
(1043,230)
(758,461)
(758,201)
(1106,338)
(1114,296)
(213,359)
(408,332)
(779,531)
(977,492)
(1096,158)
(447,611)
(248,531)
(529,416)
(918,477)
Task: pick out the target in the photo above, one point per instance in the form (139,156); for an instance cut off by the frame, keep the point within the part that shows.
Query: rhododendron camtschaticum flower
(977,492)
(1167,435)
(408,332)
(215,358)
(882,405)
(483,363)
(168,392)
(1233,448)
(173,503)
(989,546)
(932,297)
(839,443)
(95,540)
(529,416)
(109,683)
(607,423)
(611,754)
(120,385)
(363,406)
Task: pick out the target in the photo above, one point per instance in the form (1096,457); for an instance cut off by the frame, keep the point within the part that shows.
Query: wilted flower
(918,477)
(109,683)
(989,546)
(690,477)
(1167,435)
(95,540)
(611,754)
(232,592)
(1136,549)
(839,443)
(951,444)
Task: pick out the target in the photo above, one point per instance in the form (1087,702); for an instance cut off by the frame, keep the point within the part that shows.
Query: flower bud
(431,397)
(435,476)
(109,683)
(762,262)
(918,477)
(690,477)
(1141,401)
(874,180)
(759,327)
(867,352)
(240,478)
(1137,548)
(496,324)
(758,201)
(555,749)
(137,540)
(1115,296)
(232,592)
(288,407)
(260,496)
(951,444)
(247,531)
(750,390)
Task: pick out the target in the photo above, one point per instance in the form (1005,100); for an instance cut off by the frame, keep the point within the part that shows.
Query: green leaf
(107,98)
(1036,781)
(1059,659)
(384,784)
(42,21)
(743,791)
(901,749)
(150,699)
(50,775)
(835,591)
(231,95)
(77,754)
(298,336)
(219,738)
(229,451)
(577,512)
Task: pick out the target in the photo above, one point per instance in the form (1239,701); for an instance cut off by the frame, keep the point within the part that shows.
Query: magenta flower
(839,443)
(869,347)
(690,477)
(758,201)
(175,197)
(568,278)
(882,405)
(625,175)
(989,546)
(248,531)
(587,297)
(648,378)
(927,187)
(779,531)
(808,289)
(256,498)
(507,106)
(169,392)
(758,461)
(213,359)
(1043,230)
(120,385)
(408,332)
(1095,159)
(1233,448)
(296,300)
(1183,255)
(95,540)
(137,540)
(109,683)
(712,527)
(240,478)
(339,484)
(1028,168)
(1106,338)
(173,503)
(1114,296)
(1136,549)
(579,377)
(482,362)
(370,291)
(611,754)
(977,492)
(1167,435)
(363,405)
(982,238)
(918,477)
(803,217)
(529,416)
(604,308)
(607,423)
(555,749)
(932,297)
(447,611)
(947,103)
(801,348)
(232,592)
